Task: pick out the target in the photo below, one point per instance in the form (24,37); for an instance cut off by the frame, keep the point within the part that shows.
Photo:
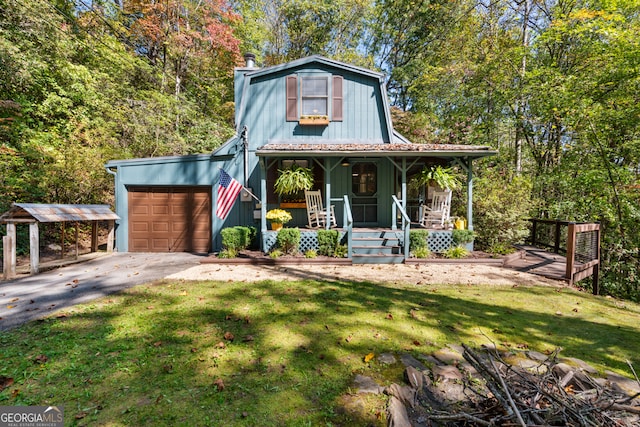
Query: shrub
(288,240)
(418,240)
(341,251)
(311,253)
(237,238)
(502,205)
(501,249)
(228,253)
(456,252)
(421,252)
(275,253)
(327,242)
(462,237)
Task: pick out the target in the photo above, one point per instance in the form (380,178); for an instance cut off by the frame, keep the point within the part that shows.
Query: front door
(364,193)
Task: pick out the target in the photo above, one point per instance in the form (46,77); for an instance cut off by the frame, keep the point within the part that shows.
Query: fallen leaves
(5,382)
(369,357)
(41,358)
(229,336)
(219,384)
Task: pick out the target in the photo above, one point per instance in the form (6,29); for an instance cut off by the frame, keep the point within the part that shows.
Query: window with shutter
(336,99)
(292,98)
(315,96)
(314,100)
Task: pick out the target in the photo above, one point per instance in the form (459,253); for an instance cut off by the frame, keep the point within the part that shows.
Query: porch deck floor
(540,262)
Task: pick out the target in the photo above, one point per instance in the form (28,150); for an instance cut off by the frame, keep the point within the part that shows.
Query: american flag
(228,190)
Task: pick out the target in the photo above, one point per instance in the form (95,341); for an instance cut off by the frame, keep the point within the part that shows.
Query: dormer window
(314,93)
(313,99)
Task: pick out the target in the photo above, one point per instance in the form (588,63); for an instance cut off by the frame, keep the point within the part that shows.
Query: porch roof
(326,148)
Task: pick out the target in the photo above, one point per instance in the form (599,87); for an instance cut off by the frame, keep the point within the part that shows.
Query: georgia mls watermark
(31,416)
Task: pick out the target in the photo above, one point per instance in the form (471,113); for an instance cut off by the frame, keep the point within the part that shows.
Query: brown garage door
(169,219)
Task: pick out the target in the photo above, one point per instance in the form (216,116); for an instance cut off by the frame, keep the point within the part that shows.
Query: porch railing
(579,242)
(348,224)
(396,207)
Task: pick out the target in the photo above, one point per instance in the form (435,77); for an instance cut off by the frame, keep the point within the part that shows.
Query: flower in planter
(278,216)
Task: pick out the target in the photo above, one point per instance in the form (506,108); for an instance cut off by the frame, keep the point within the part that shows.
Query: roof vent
(250,60)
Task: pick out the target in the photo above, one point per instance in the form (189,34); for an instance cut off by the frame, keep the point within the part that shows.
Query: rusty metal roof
(30,212)
(283,148)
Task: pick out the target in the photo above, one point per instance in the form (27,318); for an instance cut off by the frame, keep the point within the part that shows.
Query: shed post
(110,237)
(62,240)
(94,236)
(9,251)
(76,238)
(34,247)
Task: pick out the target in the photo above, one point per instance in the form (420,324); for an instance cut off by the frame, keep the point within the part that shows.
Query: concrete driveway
(33,297)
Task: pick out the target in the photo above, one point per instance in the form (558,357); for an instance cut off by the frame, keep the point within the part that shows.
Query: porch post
(469,166)
(263,199)
(404,183)
(327,193)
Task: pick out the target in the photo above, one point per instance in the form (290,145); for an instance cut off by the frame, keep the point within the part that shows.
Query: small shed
(33,214)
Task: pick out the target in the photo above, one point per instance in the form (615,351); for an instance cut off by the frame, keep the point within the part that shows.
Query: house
(314,112)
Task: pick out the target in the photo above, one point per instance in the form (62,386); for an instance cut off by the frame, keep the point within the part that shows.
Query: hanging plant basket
(293,180)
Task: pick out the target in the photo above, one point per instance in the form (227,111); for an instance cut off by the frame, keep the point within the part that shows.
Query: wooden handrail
(576,270)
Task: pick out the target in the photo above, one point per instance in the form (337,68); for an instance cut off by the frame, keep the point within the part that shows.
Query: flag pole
(250,193)
(246,189)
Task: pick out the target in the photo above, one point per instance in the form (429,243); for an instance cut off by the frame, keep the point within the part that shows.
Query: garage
(169,219)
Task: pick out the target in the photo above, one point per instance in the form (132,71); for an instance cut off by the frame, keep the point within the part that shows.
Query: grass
(163,353)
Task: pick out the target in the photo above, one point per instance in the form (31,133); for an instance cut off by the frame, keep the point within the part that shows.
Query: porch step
(376,246)
(377,259)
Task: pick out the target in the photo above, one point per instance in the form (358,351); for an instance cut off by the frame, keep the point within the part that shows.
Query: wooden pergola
(33,214)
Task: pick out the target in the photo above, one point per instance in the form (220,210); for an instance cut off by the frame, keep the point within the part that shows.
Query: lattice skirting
(308,240)
(439,241)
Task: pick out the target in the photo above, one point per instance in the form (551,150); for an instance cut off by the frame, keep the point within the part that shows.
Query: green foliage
(456,252)
(288,240)
(327,242)
(445,178)
(423,252)
(342,251)
(462,237)
(501,249)
(235,239)
(276,253)
(502,205)
(227,253)
(418,240)
(311,253)
(293,180)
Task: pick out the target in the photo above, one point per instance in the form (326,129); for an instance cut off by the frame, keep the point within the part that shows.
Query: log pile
(491,392)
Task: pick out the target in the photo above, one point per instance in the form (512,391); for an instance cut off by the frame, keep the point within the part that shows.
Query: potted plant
(278,217)
(292,181)
(444,178)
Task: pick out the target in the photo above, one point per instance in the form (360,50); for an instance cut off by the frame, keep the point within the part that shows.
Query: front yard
(283,352)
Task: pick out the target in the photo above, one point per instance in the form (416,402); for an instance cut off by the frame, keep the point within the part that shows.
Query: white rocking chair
(438,213)
(316,214)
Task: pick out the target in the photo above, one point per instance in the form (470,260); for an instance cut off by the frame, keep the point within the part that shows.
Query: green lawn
(157,354)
